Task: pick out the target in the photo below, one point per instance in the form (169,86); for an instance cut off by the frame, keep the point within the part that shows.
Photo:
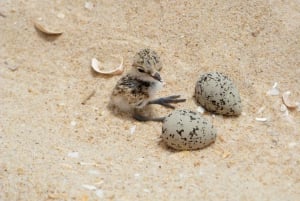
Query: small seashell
(146,190)
(46,30)
(88,164)
(119,70)
(99,193)
(283,108)
(73,123)
(132,129)
(11,66)
(200,109)
(261,119)
(287,101)
(260,110)
(94,172)
(73,154)
(88,5)
(292,144)
(89,187)
(273,91)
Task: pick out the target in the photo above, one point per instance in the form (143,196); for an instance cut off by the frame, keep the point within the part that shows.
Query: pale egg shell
(218,94)
(187,130)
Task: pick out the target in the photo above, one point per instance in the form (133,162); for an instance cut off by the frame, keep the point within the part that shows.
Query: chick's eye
(141,70)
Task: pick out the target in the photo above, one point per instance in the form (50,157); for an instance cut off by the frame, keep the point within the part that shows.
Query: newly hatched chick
(138,88)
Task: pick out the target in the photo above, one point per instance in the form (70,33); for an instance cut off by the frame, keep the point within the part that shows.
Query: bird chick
(147,57)
(137,89)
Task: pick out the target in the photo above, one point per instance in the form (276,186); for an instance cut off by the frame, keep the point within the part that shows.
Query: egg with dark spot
(187,130)
(218,94)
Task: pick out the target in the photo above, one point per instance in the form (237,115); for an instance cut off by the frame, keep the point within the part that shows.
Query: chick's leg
(166,101)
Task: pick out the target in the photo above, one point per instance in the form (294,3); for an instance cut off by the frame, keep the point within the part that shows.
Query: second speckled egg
(187,130)
(218,94)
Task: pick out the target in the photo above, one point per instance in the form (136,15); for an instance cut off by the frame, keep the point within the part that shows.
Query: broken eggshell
(287,101)
(117,71)
(261,119)
(274,91)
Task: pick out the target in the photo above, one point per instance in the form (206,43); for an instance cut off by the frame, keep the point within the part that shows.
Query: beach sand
(53,147)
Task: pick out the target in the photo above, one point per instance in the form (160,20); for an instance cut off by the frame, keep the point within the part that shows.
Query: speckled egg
(187,130)
(218,94)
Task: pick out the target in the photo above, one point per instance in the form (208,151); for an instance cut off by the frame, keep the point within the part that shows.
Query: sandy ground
(54,148)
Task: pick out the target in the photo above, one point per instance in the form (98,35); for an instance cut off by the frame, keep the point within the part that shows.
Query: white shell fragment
(89,187)
(46,30)
(292,144)
(274,90)
(261,119)
(95,65)
(73,123)
(132,129)
(73,154)
(11,66)
(93,172)
(187,130)
(99,193)
(89,5)
(283,108)
(200,109)
(217,93)
(287,101)
(261,109)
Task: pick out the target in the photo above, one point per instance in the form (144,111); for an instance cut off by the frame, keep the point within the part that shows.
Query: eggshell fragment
(287,101)
(46,30)
(274,91)
(261,119)
(187,130)
(200,109)
(89,5)
(95,65)
(89,187)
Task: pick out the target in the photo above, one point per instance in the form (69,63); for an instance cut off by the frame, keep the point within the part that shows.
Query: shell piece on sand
(287,101)
(89,187)
(89,5)
(46,30)
(117,71)
(274,91)
(261,119)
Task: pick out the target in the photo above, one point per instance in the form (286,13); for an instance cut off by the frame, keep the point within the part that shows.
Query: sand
(52,147)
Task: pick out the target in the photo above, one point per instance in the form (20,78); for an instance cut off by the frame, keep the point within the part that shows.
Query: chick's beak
(156,76)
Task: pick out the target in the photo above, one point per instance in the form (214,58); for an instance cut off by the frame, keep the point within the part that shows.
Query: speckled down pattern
(187,130)
(218,94)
